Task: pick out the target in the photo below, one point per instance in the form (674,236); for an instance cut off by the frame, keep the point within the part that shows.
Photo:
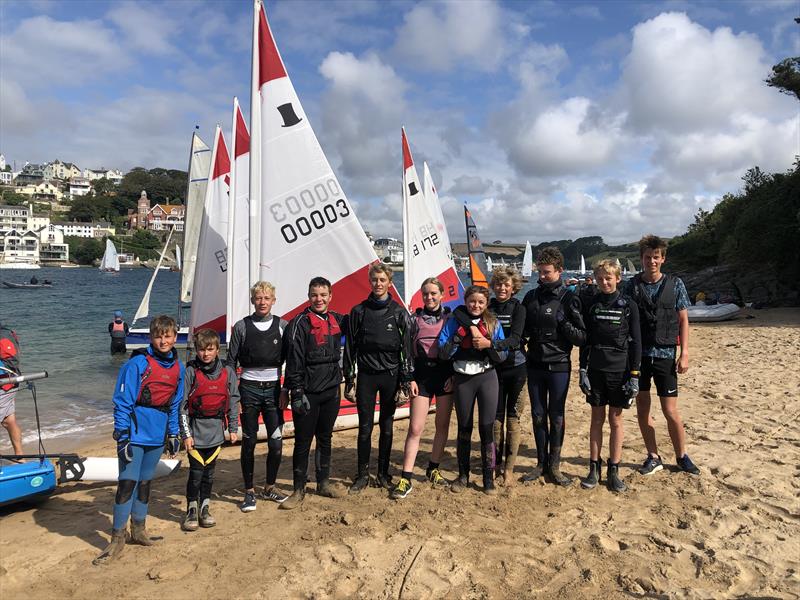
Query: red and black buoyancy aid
(208,397)
(465,350)
(159,384)
(9,356)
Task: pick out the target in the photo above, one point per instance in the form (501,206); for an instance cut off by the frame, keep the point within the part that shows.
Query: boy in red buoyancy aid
(146,400)
(210,395)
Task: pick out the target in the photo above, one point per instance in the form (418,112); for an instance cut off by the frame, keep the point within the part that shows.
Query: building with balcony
(389,250)
(19,246)
(79,186)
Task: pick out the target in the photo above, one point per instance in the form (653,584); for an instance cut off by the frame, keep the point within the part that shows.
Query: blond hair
(264,287)
(432,281)
(503,274)
(381,268)
(610,266)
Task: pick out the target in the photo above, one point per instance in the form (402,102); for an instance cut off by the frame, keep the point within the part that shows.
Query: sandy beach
(732,532)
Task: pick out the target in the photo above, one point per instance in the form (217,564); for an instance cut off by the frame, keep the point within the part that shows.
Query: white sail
(178,257)
(583,265)
(527,261)
(209,302)
(144,305)
(199,166)
(304,224)
(238,280)
(489,264)
(425,241)
(110,260)
(433,197)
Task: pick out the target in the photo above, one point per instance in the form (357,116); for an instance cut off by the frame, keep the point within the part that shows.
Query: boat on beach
(701,313)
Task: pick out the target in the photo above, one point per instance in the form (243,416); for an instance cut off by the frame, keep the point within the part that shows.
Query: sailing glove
(124,451)
(350,391)
(173,445)
(631,389)
(300,404)
(583,381)
(403,394)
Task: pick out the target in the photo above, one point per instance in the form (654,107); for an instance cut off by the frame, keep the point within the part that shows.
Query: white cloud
(145,28)
(438,37)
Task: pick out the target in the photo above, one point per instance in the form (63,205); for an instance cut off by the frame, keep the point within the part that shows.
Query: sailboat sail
(199,166)
(489,264)
(178,261)
(238,280)
(209,305)
(302,223)
(478,269)
(425,242)
(583,265)
(527,261)
(110,261)
(631,267)
(144,305)
(433,197)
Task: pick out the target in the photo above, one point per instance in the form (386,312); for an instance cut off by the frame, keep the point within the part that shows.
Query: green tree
(85,250)
(786,77)
(11,198)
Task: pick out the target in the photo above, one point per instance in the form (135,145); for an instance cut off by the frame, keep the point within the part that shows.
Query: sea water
(63,330)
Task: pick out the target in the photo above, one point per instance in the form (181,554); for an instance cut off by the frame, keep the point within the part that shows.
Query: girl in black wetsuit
(470,339)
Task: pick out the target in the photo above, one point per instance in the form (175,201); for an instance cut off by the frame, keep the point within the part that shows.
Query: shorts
(434,378)
(7,404)
(664,371)
(607,389)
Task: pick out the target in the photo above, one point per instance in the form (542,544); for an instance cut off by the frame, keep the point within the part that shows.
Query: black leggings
(548,392)
(484,387)
(261,401)
(318,422)
(201,477)
(367,386)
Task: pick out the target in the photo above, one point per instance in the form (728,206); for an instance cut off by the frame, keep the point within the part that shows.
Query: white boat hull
(18,266)
(107,469)
(715,312)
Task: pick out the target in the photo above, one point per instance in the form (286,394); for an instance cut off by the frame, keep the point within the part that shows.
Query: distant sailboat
(527,261)
(110,261)
(178,257)
(489,264)
(478,268)
(583,266)
(199,167)
(630,266)
(426,250)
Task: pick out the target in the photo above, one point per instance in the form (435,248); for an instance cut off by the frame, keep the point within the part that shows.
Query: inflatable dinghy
(714,312)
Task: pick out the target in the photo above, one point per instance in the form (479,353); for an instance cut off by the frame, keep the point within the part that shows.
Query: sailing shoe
(275,494)
(359,484)
(460,484)
(295,500)
(249,504)
(593,478)
(114,548)
(614,483)
(436,478)
(384,480)
(488,483)
(402,489)
(206,520)
(652,464)
(685,464)
(533,475)
(140,536)
(327,489)
(190,520)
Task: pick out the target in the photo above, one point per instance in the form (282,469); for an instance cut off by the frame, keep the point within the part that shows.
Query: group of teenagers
(482,353)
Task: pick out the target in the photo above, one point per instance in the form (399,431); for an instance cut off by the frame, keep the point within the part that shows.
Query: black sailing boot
(614,483)
(555,468)
(593,478)
(487,465)
(296,499)
(462,453)
(114,548)
(361,481)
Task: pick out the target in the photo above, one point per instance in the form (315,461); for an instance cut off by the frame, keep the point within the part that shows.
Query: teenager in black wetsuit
(313,376)
(553,324)
(378,342)
(470,338)
(609,368)
(511,373)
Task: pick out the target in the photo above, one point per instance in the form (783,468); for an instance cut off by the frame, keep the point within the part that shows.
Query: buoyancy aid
(428,328)
(380,329)
(659,319)
(208,397)
(326,335)
(545,327)
(261,348)
(609,323)
(9,356)
(159,384)
(118,330)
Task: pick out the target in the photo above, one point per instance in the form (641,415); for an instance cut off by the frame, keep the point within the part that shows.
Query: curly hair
(653,242)
(503,274)
(551,255)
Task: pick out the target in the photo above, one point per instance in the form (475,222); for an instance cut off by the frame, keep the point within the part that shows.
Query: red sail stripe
(407,160)
(222,165)
(270,65)
(242,135)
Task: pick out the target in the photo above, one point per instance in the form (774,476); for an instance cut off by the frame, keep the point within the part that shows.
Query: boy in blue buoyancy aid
(146,402)
(210,394)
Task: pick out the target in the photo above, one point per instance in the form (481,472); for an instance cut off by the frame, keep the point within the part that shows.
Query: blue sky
(552,120)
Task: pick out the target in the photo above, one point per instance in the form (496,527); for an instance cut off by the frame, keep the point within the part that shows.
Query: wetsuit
(475,378)
(553,324)
(312,369)
(118,330)
(613,347)
(208,399)
(146,404)
(378,342)
(257,345)
(511,376)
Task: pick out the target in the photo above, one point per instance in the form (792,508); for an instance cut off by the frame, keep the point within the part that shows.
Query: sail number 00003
(330,210)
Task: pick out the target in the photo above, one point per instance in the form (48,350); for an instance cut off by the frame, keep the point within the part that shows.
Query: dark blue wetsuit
(145,427)
(553,324)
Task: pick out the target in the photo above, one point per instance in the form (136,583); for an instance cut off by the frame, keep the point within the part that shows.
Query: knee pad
(124,490)
(143,493)
(539,421)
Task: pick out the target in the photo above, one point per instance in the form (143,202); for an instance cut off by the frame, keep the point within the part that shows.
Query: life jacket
(261,348)
(659,319)
(504,311)
(325,345)
(609,324)
(380,330)
(428,328)
(209,398)
(118,330)
(9,356)
(545,325)
(466,334)
(158,385)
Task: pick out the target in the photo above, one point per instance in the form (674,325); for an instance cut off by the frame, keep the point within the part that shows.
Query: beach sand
(732,532)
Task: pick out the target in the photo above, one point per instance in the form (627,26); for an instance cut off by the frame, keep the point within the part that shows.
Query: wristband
(635,373)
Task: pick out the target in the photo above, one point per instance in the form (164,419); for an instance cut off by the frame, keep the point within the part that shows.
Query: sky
(551,120)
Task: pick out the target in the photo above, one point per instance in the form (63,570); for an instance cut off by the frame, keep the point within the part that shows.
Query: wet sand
(732,532)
